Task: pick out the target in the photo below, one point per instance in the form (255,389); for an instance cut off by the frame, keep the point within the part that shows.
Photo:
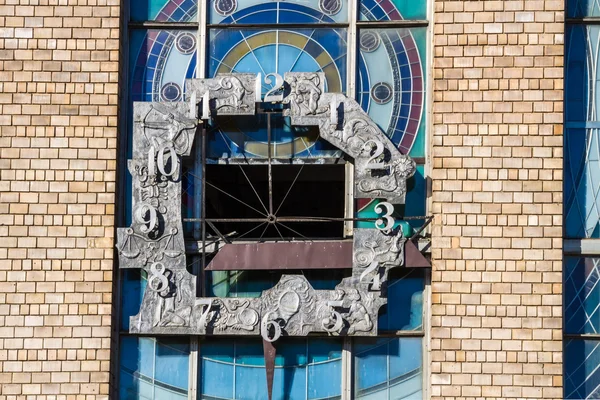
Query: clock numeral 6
(270,329)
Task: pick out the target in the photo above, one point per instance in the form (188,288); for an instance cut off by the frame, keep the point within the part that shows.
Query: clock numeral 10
(161,160)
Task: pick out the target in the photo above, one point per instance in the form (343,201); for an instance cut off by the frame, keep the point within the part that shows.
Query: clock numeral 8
(157,271)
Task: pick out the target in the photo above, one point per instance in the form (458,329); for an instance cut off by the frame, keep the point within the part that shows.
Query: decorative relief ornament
(163,133)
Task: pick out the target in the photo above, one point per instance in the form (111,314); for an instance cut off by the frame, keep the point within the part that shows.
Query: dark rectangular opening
(300,193)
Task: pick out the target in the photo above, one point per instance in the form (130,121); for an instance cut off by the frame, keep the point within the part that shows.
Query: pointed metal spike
(269,353)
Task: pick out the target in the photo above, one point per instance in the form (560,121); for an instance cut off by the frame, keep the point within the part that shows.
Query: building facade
(472,91)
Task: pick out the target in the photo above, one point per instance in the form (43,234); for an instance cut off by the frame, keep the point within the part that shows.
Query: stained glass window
(163,10)
(391,84)
(277,12)
(384,68)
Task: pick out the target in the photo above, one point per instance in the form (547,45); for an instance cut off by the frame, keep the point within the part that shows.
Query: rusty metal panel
(413,257)
(329,254)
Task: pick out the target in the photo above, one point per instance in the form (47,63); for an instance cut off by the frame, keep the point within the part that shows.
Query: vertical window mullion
(193,369)
(347,370)
(351,51)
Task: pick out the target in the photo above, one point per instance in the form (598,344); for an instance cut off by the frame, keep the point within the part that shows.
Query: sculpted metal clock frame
(163,133)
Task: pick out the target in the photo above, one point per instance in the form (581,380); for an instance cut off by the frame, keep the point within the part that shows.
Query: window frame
(200,28)
(575,247)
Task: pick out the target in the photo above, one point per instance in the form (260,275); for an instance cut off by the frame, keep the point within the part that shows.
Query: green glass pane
(392,10)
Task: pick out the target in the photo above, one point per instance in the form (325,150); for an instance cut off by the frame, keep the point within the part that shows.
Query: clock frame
(164,133)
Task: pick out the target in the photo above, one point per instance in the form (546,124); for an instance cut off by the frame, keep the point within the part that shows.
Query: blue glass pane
(391,84)
(164,10)
(583,8)
(133,283)
(153,368)
(246,137)
(304,369)
(581,58)
(582,152)
(394,10)
(582,183)
(581,371)
(404,310)
(277,12)
(388,368)
(160,61)
(582,295)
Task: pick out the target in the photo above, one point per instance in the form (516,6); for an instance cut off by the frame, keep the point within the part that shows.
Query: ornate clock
(173,304)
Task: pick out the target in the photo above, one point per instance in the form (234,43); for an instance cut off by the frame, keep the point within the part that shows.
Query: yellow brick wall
(497,199)
(59,66)
(497,196)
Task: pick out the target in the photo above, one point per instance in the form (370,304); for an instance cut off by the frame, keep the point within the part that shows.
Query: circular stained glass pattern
(225,7)
(369,41)
(185,43)
(330,7)
(170,92)
(382,92)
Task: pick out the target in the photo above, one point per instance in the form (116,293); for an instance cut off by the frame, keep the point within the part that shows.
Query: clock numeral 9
(147,216)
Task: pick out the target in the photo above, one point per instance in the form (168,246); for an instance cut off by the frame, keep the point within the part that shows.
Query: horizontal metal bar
(380,333)
(583,20)
(392,24)
(195,25)
(584,247)
(582,125)
(400,333)
(163,25)
(278,26)
(277,161)
(587,336)
(302,219)
(194,247)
